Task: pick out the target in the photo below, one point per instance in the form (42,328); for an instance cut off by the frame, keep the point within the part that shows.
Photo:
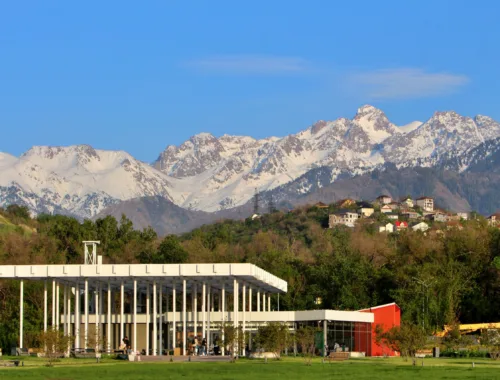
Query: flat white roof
(255,316)
(168,275)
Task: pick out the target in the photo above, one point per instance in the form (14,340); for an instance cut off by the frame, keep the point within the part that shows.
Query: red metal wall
(387,316)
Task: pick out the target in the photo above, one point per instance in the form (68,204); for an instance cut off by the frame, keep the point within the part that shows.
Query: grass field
(248,369)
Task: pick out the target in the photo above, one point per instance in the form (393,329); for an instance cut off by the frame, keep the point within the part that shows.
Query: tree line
(437,278)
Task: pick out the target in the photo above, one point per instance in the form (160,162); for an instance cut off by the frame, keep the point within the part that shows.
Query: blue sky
(139,76)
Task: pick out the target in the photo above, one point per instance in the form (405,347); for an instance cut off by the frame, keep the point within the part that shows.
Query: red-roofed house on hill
(387,316)
(401,225)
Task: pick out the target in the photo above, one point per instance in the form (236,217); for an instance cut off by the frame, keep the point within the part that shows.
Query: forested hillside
(437,278)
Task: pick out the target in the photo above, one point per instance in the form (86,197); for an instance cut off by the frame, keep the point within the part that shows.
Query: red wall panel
(387,316)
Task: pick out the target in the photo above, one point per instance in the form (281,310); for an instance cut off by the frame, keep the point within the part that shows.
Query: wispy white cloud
(250,64)
(405,83)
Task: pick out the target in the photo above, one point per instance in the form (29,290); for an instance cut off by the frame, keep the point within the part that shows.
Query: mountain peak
(203,136)
(53,151)
(318,126)
(374,122)
(368,109)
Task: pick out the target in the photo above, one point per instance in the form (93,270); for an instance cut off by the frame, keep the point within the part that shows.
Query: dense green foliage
(437,278)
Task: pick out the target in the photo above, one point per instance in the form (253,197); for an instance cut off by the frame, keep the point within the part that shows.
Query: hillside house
(422,226)
(411,215)
(441,217)
(386,209)
(389,228)
(463,215)
(383,199)
(392,216)
(366,211)
(347,218)
(426,203)
(394,206)
(401,225)
(438,216)
(407,202)
(493,219)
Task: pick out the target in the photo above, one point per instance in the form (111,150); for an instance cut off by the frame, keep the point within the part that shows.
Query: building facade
(426,203)
(162,307)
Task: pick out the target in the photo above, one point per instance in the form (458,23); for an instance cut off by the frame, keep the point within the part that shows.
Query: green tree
(407,339)
(273,337)
(54,344)
(170,251)
(305,337)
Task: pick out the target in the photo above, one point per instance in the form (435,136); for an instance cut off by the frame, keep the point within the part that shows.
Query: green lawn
(245,369)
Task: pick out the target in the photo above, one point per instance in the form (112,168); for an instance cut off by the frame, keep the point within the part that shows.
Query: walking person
(204,346)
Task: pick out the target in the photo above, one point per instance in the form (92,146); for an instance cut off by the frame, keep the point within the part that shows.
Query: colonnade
(157,293)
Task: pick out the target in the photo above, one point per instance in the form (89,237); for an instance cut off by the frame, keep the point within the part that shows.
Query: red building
(387,316)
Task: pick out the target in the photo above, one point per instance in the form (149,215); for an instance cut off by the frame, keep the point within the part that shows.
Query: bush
(464,354)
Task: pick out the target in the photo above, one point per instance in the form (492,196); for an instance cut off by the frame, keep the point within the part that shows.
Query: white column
(148,317)
(250,314)
(258,300)
(244,293)
(204,310)
(236,316)
(195,307)
(86,311)
(45,305)
(77,315)
(101,315)
(108,334)
(160,305)
(65,309)
(209,291)
(184,313)
(58,313)
(68,309)
(223,303)
(269,302)
(135,315)
(167,308)
(250,300)
(174,316)
(223,317)
(325,336)
(21,314)
(96,332)
(122,309)
(155,321)
(53,305)
(263,301)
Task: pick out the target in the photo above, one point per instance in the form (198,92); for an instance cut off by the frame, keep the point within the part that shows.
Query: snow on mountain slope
(410,126)
(80,179)
(229,169)
(211,174)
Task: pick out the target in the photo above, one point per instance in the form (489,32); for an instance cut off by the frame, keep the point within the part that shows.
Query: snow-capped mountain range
(210,174)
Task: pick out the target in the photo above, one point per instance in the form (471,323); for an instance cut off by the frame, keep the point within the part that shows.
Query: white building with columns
(158,306)
(162,307)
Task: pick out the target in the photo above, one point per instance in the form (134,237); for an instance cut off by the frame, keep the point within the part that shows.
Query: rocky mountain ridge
(211,174)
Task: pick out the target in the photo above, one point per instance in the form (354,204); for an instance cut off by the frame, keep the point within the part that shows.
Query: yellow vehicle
(469,328)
